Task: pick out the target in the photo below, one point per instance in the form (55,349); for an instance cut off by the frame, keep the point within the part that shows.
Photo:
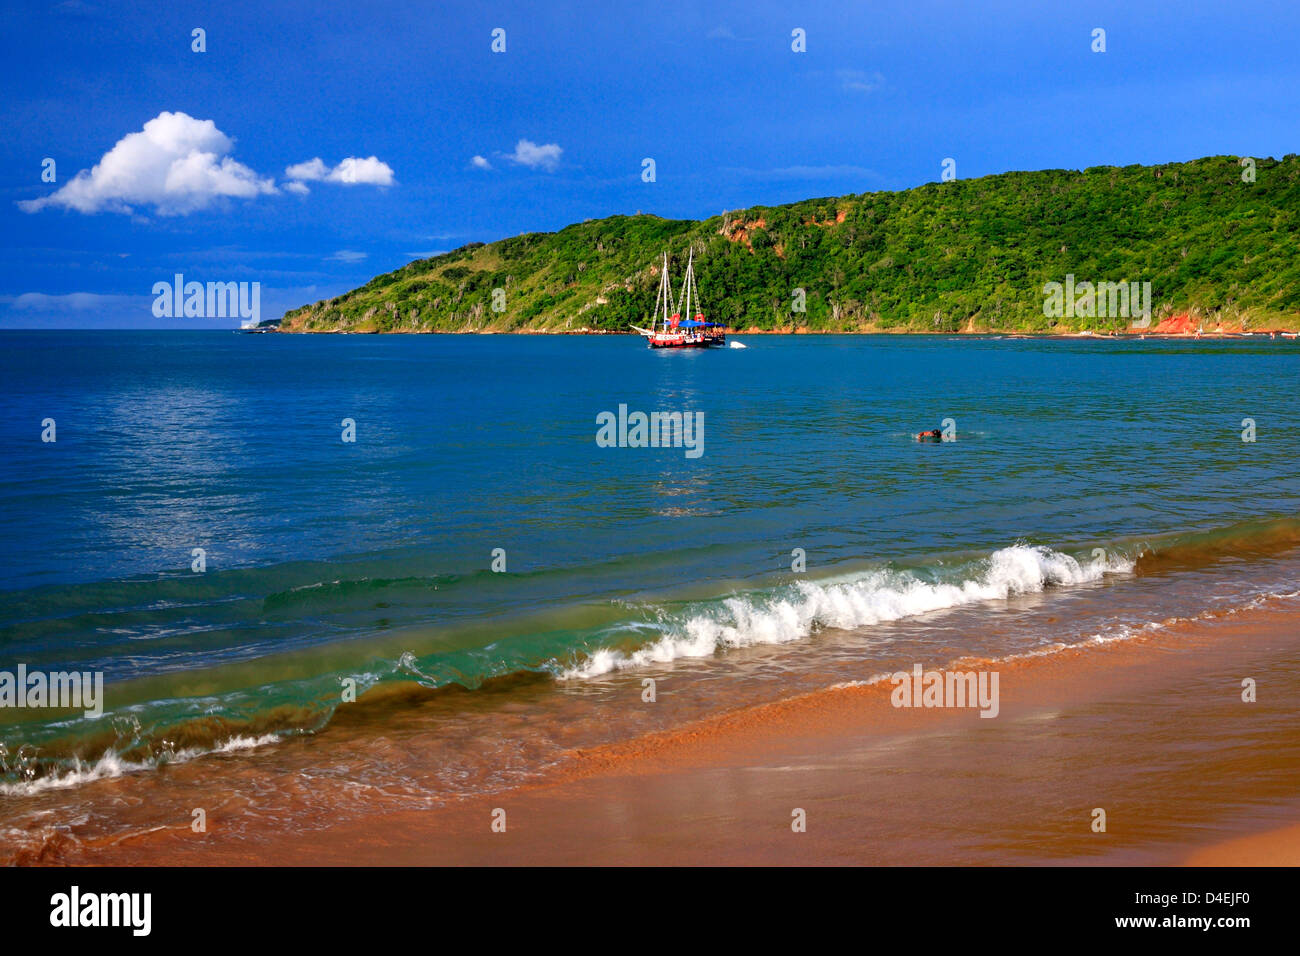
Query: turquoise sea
(1094,488)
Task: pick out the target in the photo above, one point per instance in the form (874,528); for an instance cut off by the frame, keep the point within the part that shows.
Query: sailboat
(668,330)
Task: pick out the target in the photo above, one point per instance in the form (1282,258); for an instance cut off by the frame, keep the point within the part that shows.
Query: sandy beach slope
(1152,731)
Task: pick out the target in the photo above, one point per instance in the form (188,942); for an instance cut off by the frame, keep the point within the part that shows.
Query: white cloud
(346,255)
(353,171)
(72,301)
(177,164)
(371,171)
(805,172)
(721,33)
(858,81)
(313,169)
(726,33)
(478,162)
(90,310)
(298,189)
(527,153)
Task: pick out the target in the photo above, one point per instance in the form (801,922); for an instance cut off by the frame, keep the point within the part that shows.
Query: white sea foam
(108,766)
(244,743)
(859,601)
(112,765)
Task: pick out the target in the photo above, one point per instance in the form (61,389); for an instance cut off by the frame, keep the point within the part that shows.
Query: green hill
(963,255)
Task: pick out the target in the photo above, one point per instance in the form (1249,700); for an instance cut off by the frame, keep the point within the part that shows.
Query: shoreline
(1277,334)
(1183,325)
(1099,725)
(1132,334)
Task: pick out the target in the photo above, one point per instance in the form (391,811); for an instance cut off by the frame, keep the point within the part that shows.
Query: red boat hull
(681,342)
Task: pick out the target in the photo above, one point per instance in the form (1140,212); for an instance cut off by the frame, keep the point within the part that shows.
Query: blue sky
(396,99)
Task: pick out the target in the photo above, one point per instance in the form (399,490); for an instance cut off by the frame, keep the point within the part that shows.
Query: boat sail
(668,330)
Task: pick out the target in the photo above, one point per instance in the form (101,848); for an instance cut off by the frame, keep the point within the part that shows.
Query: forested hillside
(963,255)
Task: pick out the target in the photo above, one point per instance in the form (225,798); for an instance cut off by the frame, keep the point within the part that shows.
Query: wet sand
(1154,731)
(1274,848)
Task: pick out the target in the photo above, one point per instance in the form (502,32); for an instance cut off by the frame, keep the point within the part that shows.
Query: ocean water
(1094,489)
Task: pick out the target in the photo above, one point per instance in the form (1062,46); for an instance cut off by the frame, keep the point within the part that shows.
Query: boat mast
(688,284)
(664,297)
(667,286)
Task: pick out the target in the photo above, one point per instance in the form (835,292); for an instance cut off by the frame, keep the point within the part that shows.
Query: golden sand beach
(1152,731)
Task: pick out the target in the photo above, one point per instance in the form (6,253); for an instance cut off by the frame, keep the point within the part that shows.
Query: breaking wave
(875,597)
(113,764)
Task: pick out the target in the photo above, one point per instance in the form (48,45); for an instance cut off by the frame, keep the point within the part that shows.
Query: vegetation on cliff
(967,255)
